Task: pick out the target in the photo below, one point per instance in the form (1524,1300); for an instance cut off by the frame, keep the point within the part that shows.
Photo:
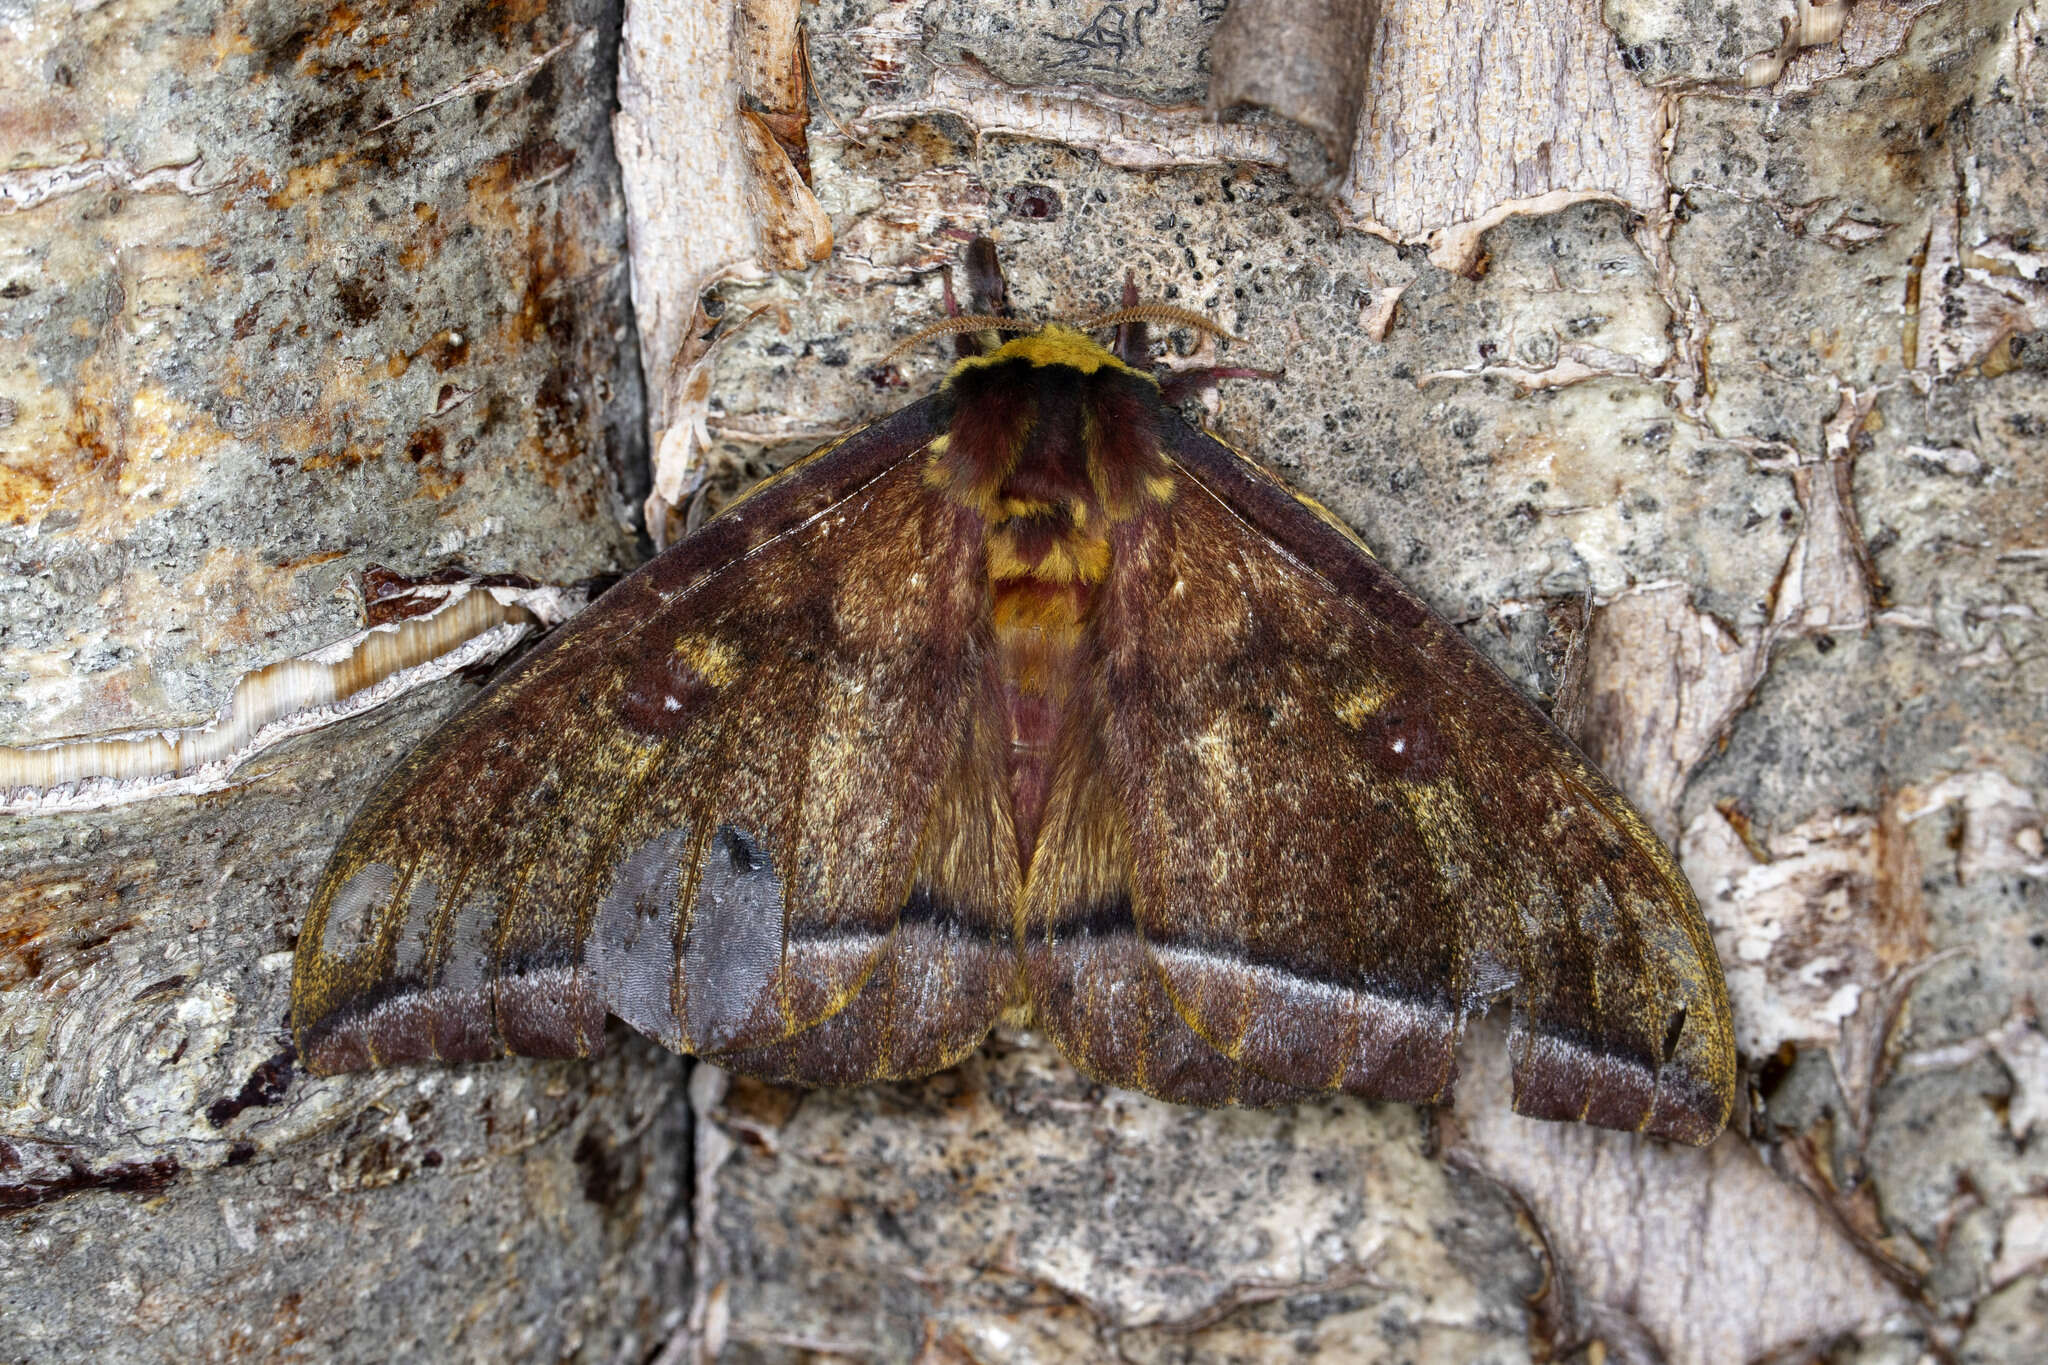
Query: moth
(1033,701)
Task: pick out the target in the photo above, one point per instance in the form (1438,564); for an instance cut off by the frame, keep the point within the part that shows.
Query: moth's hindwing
(1093,977)
(701,811)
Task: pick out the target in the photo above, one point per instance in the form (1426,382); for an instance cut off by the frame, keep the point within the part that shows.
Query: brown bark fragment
(1304,59)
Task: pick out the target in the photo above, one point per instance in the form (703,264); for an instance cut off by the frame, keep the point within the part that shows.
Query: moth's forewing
(698,808)
(1350,832)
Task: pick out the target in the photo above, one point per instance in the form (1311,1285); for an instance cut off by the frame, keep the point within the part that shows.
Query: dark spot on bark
(555,404)
(241,1154)
(391,149)
(1772,1071)
(156,988)
(529,161)
(598,1158)
(452,349)
(425,442)
(360,299)
(543,91)
(88,440)
(378,1162)
(266,1086)
(1032,201)
(282,52)
(473,24)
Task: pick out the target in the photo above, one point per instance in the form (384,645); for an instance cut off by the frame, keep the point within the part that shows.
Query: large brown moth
(1030,700)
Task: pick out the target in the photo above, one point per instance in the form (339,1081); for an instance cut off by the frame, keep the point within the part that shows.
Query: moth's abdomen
(1039,608)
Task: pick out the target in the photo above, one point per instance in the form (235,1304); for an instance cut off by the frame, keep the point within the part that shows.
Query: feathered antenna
(947,327)
(1158,312)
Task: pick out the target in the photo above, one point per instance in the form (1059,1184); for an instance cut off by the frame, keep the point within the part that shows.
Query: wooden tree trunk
(1723,324)
(287,292)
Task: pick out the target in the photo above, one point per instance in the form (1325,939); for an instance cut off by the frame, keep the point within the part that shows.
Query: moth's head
(989,332)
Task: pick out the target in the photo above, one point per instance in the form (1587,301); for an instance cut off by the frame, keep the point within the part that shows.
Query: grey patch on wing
(1599,917)
(352,912)
(632,953)
(418,932)
(464,993)
(734,946)
(467,962)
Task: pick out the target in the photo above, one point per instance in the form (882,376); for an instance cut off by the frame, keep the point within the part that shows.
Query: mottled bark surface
(1753,370)
(286,291)
(1757,372)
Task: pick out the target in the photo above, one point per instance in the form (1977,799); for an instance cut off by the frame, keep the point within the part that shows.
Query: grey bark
(286,291)
(1758,373)
(1755,372)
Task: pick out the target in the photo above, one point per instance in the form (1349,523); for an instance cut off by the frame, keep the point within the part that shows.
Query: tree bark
(288,292)
(1692,363)
(1725,327)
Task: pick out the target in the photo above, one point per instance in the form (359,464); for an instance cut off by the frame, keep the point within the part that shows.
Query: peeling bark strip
(2002,829)
(276,702)
(34,186)
(1816,22)
(729,200)
(1664,683)
(1534,108)
(1834,38)
(1641,1232)
(1968,301)
(1812,925)
(793,230)
(1123,132)
(1826,584)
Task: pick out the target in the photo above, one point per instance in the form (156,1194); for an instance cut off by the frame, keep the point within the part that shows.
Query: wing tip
(1687,1099)
(527,1016)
